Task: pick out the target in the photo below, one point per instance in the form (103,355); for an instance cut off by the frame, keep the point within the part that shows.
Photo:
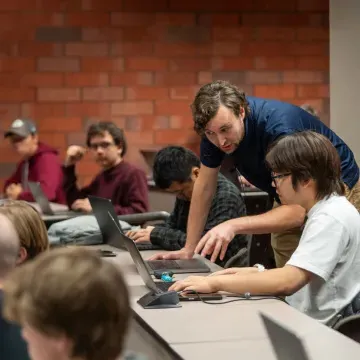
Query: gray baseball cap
(21,127)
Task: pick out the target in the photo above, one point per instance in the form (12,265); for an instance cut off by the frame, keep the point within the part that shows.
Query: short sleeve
(321,246)
(210,155)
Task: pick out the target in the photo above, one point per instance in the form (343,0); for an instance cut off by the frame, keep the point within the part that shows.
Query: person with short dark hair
(71,304)
(244,127)
(321,277)
(175,170)
(121,182)
(39,163)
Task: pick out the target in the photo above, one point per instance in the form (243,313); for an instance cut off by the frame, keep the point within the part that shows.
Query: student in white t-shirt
(322,276)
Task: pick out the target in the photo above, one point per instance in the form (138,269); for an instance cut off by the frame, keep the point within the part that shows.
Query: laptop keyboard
(146,246)
(163,264)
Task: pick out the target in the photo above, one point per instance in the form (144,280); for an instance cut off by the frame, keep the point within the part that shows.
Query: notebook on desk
(45,206)
(286,344)
(101,207)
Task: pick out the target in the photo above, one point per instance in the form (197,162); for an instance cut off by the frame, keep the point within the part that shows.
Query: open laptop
(176,266)
(45,206)
(286,344)
(101,207)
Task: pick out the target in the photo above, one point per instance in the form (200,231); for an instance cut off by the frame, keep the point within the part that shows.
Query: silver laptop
(46,207)
(286,344)
(176,266)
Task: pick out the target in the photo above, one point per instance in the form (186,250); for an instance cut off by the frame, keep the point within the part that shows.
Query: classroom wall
(345,71)
(139,63)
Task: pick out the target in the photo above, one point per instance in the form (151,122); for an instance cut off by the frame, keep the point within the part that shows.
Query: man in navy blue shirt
(244,127)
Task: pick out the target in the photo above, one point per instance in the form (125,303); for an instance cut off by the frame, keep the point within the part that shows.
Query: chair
(142,218)
(260,251)
(350,327)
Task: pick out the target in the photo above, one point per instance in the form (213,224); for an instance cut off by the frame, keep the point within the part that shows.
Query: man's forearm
(282,218)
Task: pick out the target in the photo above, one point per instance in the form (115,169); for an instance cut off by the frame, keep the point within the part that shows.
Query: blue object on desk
(166,277)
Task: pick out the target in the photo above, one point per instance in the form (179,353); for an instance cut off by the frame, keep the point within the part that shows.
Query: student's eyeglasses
(103,145)
(279,176)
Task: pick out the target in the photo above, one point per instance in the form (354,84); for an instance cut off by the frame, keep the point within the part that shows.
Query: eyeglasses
(279,176)
(103,145)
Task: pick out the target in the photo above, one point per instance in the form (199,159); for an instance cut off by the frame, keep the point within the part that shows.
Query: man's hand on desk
(174,255)
(216,241)
(200,284)
(141,234)
(82,205)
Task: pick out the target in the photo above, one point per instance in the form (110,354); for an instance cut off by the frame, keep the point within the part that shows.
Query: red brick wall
(139,63)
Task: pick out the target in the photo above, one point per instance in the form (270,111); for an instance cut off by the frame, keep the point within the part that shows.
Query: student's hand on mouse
(200,284)
(243,181)
(13,191)
(235,271)
(74,153)
(216,241)
(174,255)
(82,205)
(141,234)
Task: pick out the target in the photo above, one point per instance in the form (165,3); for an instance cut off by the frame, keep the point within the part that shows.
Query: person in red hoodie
(39,163)
(121,182)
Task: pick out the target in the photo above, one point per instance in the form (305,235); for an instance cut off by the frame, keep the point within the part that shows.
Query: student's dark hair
(116,133)
(209,98)
(173,163)
(308,155)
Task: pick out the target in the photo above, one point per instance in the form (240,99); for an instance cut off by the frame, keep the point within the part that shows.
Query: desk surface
(198,330)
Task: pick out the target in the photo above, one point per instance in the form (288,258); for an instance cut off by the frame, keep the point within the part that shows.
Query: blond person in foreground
(321,277)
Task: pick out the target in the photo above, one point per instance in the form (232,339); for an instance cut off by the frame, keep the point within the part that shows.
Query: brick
(170,107)
(102,64)
(16,5)
(147,93)
(313,91)
(172,136)
(58,34)
(40,49)
(309,48)
(8,112)
(275,91)
(10,79)
(236,77)
(129,19)
(17,95)
(87,19)
(274,19)
(60,123)
(131,49)
(58,5)
(132,78)
(87,167)
(146,63)
(104,5)
(275,5)
(144,138)
(133,123)
(274,63)
(191,34)
(175,79)
(133,108)
(311,5)
(58,94)
(232,63)
(312,34)
(190,64)
(204,77)
(141,5)
(218,19)
(87,49)
(58,64)
(57,140)
(210,6)
(15,64)
(265,48)
(274,33)
(86,79)
(42,80)
(142,33)
(183,93)
(76,138)
(181,122)
(98,109)
(226,48)
(103,94)
(103,34)
(263,77)
(18,34)
(8,49)
(175,19)
(38,111)
(303,77)
(182,49)
(312,63)
(232,33)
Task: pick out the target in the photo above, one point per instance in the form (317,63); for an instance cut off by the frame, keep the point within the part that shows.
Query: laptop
(101,207)
(46,207)
(176,266)
(286,344)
